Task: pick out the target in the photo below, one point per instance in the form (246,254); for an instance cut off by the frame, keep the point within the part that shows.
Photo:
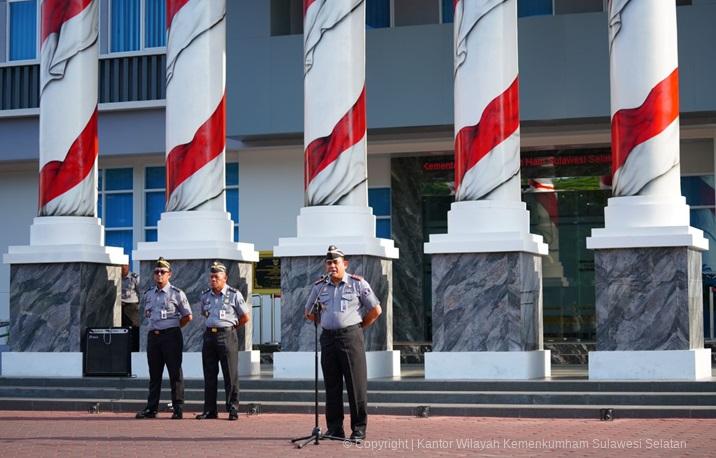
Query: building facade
(565,134)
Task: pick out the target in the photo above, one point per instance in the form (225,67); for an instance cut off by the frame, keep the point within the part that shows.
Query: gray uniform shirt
(343,305)
(164,307)
(130,288)
(223,310)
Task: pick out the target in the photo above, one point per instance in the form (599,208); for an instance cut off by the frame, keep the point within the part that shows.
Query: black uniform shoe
(146,413)
(233,414)
(178,414)
(207,416)
(358,435)
(336,433)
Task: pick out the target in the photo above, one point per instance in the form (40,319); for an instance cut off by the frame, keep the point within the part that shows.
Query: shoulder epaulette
(355,277)
(206,291)
(320,280)
(232,289)
(175,288)
(133,274)
(148,289)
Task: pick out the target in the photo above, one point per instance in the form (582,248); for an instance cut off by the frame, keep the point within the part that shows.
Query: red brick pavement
(30,434)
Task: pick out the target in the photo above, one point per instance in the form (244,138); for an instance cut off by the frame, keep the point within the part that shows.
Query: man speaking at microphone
(347,305)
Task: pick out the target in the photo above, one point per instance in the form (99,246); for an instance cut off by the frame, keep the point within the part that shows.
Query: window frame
(37,35)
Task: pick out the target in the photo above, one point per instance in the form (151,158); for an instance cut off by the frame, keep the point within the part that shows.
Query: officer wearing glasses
(167,309)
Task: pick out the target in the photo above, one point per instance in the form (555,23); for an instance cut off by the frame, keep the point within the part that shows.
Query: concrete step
(425,397)
(584,385)
(375,408)
(385,396)
(550,398)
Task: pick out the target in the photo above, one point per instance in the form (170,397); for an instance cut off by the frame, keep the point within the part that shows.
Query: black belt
(157,332)
(337,332)
(217,330)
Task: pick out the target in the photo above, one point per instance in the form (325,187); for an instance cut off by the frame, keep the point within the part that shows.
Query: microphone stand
(316,435)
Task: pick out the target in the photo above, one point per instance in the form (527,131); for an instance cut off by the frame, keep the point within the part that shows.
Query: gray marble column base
(487,302)
(192,277)
(648,299)
(297,334)
(649,315)
(488,365)
(52,304)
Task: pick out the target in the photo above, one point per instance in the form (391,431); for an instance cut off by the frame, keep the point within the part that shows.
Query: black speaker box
(108,352)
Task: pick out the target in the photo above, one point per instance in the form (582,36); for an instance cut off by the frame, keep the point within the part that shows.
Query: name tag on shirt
(222,314)
(163,314)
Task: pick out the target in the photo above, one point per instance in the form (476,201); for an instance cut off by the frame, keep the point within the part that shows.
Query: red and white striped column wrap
(644,97)
(334,107)
(196,111)
(68,108)
(487,124)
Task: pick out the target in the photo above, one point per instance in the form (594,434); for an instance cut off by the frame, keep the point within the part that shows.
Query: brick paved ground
(24,433)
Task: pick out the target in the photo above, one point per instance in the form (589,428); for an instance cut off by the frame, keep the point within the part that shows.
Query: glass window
(121,239)
(582,6)
(125,27)
(155,23)
(286,17)
(115,207)
(232,195)
(232,203)
(382,228)
(377,14)
(154,200)
(232,174)
(534,7)
(118,210)
(379,200)
(22,25)
(154,203)
(698,190)
(416,12)
(705,219)
(448,11)
(155,178)
(118,179)
(150,235)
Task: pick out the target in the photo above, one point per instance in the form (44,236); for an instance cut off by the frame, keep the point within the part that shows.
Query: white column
(647,209)
(196,224)
(67,228)
(335,162)
(336,208)
(488,215)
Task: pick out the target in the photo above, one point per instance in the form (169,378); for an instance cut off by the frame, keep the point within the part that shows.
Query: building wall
(564,70)
(270,196)
(18,205)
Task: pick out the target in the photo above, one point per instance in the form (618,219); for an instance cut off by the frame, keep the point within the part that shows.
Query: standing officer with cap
(168,311)
(347,305)
(225,311)
(130,304)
